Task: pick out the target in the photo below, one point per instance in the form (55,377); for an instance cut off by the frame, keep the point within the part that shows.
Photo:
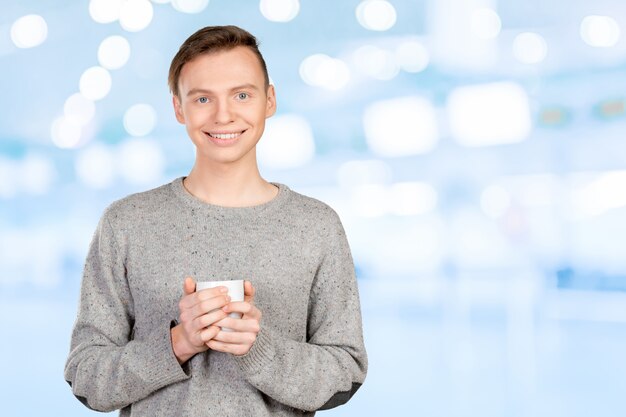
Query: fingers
(209,319)
(189,300)
(249,310)
(211,292)
(206,306)
(239,325)
(244,330)
(203,328)
(189,286)
(209,333)
(198,310)
(235,349)
(235,338)
(200,330)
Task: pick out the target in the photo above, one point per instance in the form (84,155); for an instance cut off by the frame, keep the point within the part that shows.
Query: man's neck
(229,186)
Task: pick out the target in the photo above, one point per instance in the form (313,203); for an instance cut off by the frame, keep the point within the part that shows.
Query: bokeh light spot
(95,83)
(29,31)
(376,62)
(287,142)
(66,133)
(600,31)
(140,161)
(320,70)
(190,6)
(378,15)
(140,119)
(279,10)
(37,173)
(105,11)
(95,166)
(485,23)
(136,15)
(412,56)
(114,52)
(400,127)
(530,48)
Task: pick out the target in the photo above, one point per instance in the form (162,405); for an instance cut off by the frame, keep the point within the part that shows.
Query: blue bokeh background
(474,150)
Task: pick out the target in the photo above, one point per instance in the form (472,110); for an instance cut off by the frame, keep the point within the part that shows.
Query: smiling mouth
(224,136)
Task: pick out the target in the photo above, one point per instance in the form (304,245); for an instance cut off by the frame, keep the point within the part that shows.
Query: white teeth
(224,135)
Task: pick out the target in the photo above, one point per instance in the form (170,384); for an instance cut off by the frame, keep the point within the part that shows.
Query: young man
(139,347)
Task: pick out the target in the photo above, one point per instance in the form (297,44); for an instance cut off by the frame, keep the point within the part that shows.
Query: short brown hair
(212,39)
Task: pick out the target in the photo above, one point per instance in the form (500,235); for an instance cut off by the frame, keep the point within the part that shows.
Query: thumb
(248,291)
(189,286)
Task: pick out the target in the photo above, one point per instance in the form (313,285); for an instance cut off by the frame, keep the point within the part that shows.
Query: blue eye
(203,100)
(242,96)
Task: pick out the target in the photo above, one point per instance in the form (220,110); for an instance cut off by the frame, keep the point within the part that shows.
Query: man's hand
(244,330)
(199,313)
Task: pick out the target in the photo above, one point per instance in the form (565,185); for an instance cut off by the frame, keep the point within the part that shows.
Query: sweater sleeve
(106,368)
(326,370)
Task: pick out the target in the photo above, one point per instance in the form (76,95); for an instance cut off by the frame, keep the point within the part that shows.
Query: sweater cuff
(162,367)
(260,354)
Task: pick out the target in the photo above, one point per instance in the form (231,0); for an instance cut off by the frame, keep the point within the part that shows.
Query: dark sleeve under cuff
(341,398)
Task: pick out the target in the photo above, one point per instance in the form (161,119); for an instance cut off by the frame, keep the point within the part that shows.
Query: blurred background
(474,150)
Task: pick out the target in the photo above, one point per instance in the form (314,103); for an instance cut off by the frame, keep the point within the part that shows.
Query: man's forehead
(230,68)
(238,55)
(208,84)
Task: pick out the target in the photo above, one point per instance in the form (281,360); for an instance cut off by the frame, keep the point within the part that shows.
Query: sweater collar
(188,199)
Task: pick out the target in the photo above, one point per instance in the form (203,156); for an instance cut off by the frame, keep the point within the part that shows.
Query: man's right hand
(198,311)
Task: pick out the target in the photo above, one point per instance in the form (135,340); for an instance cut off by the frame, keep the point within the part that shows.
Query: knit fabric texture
(309,354)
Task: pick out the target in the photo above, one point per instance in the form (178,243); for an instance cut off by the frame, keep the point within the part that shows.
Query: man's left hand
(244,330)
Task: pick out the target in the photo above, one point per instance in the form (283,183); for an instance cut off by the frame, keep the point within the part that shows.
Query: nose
(223,112)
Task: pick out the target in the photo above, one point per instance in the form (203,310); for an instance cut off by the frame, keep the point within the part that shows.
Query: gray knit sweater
(309,354)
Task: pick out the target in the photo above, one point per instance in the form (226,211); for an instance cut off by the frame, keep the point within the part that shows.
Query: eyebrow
(239,87)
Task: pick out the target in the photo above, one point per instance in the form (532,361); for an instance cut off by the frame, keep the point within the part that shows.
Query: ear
(270,108)
(178,109)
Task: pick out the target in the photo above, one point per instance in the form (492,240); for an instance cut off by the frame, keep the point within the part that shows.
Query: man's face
(223,103)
